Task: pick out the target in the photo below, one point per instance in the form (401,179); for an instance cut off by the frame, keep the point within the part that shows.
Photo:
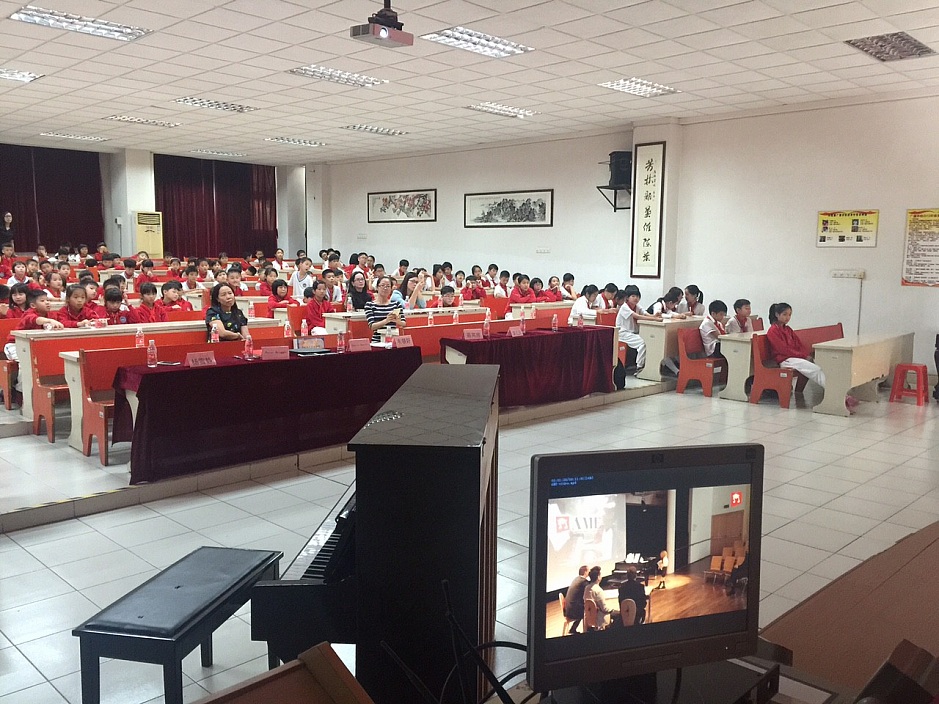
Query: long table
(661,338)
(858,363)
(305,416)
(542,366)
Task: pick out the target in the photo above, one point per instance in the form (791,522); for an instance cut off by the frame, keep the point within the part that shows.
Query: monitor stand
(714,683)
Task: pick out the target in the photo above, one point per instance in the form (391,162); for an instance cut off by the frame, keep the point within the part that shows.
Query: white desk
(562,308)
(661,338)
(856,364)
(737,351)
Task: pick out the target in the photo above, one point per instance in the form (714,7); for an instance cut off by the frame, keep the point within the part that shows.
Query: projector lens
(383,32)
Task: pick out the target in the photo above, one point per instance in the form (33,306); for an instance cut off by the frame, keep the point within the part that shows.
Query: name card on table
(275,352)
(515,331)
(399,341)
(360,344)
(200,359)
(309,343)
(473,334)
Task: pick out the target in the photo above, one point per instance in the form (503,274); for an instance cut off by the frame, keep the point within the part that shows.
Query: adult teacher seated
(382,312)
(633,589)
(225,316)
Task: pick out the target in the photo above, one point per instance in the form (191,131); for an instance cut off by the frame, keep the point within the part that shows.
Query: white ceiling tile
(772,27)
(456,12)
(682,26)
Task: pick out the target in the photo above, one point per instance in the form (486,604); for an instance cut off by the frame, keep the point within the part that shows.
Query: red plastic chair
(700,369)
(899,391)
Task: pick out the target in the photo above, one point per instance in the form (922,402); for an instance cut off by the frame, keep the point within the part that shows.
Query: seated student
(146,275)
(605,299)
(4,301)
(55,286)
(333,289)
(6,260)
(446,273)
(301,279)
(19,274)
(317,305)
(191,282)
(223,262)
(605,614)
(491,279)
(741,321)
(403,268)
(221,277)
(357,294)
(41,254)
(382,312)
(172,297)
(300,253)
(459,280)
(693,302)
(117,282)
(501,289)
(65,269)
(95,309)
(583,308)
(36,317)
(667,305)
(473,290)
(258,257)
(80,255)
(567,287)
(100,250)
(627,321)
(712,327)
(552,294)
(18,296)
(522,292)
(446,299)
(173,273)
(279,298)
(279,262)
(409,292)
(225,316)
(234,280)
(336,266)
(130,273)
(75,314)
(116,311)
(265,281)
(148,311)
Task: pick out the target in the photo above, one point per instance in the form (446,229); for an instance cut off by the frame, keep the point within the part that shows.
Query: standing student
(693,303)
(741,321)
(627,321)
(712,327)
(584,305)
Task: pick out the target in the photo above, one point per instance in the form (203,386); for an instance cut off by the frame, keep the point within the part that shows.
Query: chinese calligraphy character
(646,241)
(647,227)
(645,257)
(648,212)
(650,165)
(649,195)
(649,180)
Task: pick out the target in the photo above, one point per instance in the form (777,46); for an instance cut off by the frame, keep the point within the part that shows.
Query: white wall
(587,238)
(750,192)
(291,209)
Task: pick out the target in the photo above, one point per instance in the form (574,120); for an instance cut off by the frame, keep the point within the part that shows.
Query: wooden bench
(698,367)
(769,376)
(166,617)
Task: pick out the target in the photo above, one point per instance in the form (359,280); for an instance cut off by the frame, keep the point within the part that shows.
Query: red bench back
(175,316)
(689,343)
(6,327)
(824,333)
(497,306)
(760,348)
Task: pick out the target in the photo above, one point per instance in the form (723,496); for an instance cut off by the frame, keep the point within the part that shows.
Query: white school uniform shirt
(185,285)
(277,265)
(490,282)
(500,291)
(336,296)
(709,335)
(299,285)
(698,308)
(733,325)
(626,321)
(581,307)
(566,295)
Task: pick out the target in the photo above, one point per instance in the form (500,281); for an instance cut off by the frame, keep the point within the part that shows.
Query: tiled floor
(838,490)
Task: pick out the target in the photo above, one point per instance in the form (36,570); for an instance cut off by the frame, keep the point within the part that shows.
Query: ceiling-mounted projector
(383,29)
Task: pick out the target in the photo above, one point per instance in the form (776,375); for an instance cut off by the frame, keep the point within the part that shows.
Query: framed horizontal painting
(403,206)
(509,209)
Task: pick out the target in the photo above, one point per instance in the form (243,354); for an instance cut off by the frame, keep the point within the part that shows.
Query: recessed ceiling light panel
(212,152)
(336,76)
(471,40)
(504,110)
(295,142)
(640,87)
(76,23)
(22,76)
(387,131)
(143,121)
(66,135)
(214,104)
(891,47)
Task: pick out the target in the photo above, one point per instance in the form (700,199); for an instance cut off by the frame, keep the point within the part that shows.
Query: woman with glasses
(382,312)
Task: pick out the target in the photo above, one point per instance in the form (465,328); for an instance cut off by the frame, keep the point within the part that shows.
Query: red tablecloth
(544,366)
(190,420)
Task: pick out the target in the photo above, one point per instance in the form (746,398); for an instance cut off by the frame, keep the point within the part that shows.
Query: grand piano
(422,509)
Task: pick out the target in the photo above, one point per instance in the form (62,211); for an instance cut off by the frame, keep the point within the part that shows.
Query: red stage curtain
(54,195)
(215,206)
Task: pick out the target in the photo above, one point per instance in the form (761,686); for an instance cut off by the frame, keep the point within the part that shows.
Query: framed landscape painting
(403,206)
(509,209)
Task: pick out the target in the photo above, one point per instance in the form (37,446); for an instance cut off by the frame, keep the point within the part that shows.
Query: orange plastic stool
(899,390)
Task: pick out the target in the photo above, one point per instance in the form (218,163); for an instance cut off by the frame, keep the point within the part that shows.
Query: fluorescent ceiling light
(22,76)
(214,153)
(891,47)
(504,110)
(336,76)
(471,40)
(65,135)
(214,104)
(294,141)
(638,86)
(143,121)
(375,130)
(76,23)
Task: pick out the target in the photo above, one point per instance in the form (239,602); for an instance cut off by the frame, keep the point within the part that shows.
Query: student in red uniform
(101,250)
(129,273)
(6,260)
(316,307)
(19,274)
(4,301)
(32,266)
(173,273)
(74,314)
(36,317)
(552,294)
(473,291)
(446,299)
(146,274)
(279,298)
(65,269)
(95,309)
(522,292)
(537,287)
(148,311)
(238,287)
(741,321)
(268,277)
(117,312)
(491,279)
(18,305)
(501,289)
(605,299)
(172,297)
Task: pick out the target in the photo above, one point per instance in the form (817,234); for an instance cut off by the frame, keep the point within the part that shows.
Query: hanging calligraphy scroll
(648,204)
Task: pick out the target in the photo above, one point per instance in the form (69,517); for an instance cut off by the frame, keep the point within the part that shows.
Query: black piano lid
(423,410)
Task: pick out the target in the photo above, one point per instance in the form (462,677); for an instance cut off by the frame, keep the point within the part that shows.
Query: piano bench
(165,618)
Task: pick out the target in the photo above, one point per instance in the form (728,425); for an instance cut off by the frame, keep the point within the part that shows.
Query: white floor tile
(22,624)
(802,587)
(809,534)
(838,520)
(44,693)
(16,672)
(55,655)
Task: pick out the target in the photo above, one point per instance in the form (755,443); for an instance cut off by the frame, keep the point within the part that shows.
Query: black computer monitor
(621,510)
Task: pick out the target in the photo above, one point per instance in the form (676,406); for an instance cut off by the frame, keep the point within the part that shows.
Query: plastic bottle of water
(488,315)
(249,348)
(214,335)
(554,323)
(138,338)
(251,309)
(456,316)
(288,331)
(521,321)
(430,318)
(152,354)
(341,342)
(580,320)
(304,328)
(459,300)
(349,307)
(486,325)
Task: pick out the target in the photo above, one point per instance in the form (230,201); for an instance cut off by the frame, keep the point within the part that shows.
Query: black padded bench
(165,618)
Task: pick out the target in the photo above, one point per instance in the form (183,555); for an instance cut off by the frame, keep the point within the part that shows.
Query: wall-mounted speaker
(621,169)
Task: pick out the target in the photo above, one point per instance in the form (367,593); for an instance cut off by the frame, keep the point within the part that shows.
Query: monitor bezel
(695,466)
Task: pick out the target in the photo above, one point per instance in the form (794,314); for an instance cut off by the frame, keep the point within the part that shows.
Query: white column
(318,209)
(130,187)
(291,209)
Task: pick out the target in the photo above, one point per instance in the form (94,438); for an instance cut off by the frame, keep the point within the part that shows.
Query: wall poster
(648,204)
(921,248)
(847,228)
